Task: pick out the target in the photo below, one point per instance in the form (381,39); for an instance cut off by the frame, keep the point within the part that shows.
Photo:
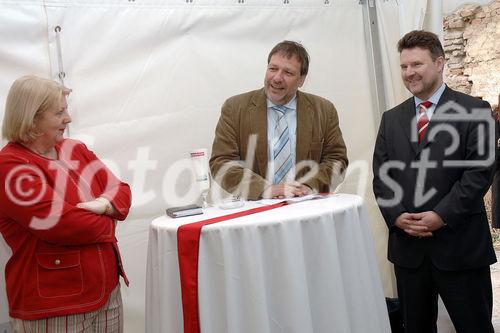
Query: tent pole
(61,75)
(372,43)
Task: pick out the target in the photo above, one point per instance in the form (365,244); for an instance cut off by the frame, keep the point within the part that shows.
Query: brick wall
(472,48)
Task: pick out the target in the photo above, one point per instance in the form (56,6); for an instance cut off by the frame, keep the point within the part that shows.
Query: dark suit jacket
(458,190)
(319,139)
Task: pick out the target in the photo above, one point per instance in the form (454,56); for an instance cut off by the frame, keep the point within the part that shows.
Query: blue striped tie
(281,146)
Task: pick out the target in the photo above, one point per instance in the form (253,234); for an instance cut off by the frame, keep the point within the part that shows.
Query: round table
(305,267)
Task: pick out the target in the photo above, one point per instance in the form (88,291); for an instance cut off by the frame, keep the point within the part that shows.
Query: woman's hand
(100,206)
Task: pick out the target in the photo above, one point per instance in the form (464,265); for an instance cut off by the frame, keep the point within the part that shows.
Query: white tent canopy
(149,77)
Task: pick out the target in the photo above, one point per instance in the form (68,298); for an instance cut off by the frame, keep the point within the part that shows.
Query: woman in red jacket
(58,210)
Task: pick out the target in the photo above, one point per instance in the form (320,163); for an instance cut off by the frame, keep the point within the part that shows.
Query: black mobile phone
(182,211)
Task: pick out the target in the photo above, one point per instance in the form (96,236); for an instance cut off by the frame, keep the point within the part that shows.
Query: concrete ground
(444,322)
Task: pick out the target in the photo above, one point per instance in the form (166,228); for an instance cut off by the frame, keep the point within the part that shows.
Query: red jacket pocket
(59,274)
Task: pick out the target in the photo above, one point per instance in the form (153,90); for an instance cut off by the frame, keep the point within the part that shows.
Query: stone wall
(472,48)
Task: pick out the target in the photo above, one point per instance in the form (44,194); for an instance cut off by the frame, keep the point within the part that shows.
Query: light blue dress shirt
(291,118)
(434,99)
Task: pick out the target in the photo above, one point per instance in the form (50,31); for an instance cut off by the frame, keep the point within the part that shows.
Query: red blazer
(65,260)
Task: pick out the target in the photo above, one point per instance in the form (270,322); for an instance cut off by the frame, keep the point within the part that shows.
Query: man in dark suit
(298,147)
(432,165)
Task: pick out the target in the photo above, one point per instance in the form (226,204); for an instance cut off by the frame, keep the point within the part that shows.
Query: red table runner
(188,243)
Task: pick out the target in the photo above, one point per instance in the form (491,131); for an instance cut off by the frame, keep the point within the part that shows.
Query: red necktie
(422,121)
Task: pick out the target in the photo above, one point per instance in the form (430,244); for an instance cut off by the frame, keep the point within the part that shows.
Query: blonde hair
(29,96)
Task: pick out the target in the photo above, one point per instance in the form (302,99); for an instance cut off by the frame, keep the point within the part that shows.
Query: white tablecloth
(306,267)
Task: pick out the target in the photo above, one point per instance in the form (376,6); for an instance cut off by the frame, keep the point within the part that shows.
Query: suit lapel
(408,123)
(304,128)
(258,126)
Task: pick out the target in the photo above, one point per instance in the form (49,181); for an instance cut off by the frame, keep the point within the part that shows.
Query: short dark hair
(423,39)
(289,49)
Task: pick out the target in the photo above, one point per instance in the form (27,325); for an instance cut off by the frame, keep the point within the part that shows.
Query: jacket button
(57,261)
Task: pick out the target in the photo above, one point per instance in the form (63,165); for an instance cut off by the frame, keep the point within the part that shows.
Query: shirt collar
(291,105)
(434,98)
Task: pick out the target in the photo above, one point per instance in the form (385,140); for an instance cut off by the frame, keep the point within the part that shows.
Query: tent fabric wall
(149,78)
(395,19)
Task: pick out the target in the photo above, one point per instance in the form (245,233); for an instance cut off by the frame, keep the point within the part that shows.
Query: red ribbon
(188,244)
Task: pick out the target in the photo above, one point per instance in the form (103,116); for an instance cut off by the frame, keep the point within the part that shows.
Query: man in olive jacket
(246,149)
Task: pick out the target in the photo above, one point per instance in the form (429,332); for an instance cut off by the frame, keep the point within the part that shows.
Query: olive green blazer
(240,148)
